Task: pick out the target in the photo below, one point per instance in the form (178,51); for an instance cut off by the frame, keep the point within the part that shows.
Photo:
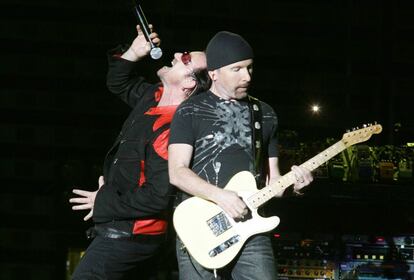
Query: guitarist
(211,140)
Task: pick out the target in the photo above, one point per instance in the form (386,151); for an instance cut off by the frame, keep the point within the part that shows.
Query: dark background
(57,119)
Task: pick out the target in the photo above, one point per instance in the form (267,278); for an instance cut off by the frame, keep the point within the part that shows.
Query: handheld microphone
(155,52)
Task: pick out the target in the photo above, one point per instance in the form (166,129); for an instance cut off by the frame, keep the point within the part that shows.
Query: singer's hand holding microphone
(140,47)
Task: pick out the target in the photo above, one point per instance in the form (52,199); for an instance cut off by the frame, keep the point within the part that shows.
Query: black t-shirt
(221,134)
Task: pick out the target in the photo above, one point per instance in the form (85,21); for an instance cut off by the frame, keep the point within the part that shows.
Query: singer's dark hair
(203,81)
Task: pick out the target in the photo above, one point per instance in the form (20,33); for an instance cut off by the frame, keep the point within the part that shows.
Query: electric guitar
(213,238)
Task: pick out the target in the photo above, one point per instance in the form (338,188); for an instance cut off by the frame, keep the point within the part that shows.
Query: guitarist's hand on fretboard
(303,178)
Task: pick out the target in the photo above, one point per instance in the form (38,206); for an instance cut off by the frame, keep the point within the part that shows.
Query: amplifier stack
(344,257)
(305,258)
(306,269)
(377,257)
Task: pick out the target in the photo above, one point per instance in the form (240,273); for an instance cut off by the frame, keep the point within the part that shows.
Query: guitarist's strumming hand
(303,178)
(231,203)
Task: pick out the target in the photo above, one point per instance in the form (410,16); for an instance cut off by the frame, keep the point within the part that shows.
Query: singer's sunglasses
(186,58)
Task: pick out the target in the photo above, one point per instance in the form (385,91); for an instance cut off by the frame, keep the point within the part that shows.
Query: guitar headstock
(359,135)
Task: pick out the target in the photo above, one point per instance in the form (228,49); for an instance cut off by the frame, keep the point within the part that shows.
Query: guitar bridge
(219,224)
(223,246)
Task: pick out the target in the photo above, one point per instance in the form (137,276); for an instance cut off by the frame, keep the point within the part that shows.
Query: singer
(130,209)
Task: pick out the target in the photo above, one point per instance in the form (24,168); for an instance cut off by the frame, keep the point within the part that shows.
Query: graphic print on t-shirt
(227,135)
(220,134)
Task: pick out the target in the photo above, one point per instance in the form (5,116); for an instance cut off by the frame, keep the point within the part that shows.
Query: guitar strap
(257,139)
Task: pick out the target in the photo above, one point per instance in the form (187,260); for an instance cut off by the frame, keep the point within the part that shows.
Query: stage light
(315,109)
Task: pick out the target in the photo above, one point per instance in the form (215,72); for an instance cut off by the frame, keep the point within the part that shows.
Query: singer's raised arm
(124,80)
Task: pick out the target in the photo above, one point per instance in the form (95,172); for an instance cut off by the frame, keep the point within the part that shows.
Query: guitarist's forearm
(181,176)
(186,180)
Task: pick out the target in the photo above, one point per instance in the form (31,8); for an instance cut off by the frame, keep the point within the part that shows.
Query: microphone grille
(156,53)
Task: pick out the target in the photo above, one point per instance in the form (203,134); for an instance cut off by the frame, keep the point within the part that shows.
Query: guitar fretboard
(289,178)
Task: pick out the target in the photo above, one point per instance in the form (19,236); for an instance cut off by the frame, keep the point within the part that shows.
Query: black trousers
(116,259)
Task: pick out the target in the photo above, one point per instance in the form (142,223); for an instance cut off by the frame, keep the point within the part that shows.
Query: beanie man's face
(232,81)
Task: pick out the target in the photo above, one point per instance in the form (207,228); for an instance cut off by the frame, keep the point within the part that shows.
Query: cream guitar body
(212,237)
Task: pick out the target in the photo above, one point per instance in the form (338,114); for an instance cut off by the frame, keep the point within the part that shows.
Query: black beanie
(226,48)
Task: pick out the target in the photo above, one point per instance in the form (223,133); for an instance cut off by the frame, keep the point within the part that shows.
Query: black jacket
(136,192)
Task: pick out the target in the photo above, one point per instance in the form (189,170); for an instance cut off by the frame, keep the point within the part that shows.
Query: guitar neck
(289,178)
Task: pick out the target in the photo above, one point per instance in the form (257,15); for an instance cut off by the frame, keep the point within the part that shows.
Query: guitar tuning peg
(347,131)
(364,125)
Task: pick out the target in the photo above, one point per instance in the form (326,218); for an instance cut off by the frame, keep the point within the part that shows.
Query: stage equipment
(72,260)
(377,257)
(305,258)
